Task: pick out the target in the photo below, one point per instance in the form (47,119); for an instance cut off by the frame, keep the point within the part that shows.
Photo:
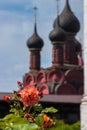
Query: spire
(68,21)
(57,18)
(35,16)
(57,21)
(35,41)
(57,2)
(67,2)
(67,5)
(57,34)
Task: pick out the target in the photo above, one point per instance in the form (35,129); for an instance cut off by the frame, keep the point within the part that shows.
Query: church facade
(65,75)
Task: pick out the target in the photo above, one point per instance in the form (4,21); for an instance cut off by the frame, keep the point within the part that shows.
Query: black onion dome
(78,46)
(57,34)
(35,41)
(68,21)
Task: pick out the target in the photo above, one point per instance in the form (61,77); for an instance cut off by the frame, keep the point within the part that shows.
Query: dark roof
(54,98)
(35,41)
(68,20)
(62,98)
(57,34)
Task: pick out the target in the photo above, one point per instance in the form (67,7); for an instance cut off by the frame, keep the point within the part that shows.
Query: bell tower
(58,38)
(35,44)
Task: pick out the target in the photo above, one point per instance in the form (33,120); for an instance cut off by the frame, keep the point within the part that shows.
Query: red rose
(6,98)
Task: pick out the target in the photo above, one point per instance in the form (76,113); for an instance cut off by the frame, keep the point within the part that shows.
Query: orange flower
(29,95)
(46,118)
(48,122)
(6,98)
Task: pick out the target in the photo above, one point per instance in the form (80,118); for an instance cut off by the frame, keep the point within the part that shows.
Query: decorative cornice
(34,49)
(58,42)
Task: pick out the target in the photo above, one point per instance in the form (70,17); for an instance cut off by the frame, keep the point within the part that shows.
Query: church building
(62,82)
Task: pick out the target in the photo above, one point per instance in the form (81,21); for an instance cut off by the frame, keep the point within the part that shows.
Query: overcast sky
(16,26)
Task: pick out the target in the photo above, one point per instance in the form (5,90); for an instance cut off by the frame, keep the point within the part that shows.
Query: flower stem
(29,109)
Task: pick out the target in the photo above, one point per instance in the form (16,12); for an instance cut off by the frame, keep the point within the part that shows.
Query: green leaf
(37,107)
(24,127)
(39,120)
(50,110)
(11,118)
(14,110)
(2,124)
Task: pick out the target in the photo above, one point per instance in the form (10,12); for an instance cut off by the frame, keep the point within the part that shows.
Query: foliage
(27,114)
(12,122)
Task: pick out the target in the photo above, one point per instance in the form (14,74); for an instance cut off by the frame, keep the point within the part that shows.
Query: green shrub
(60,125)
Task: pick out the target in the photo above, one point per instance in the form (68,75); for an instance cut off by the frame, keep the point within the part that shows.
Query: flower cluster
(25,104)
(29,95)
(48,122)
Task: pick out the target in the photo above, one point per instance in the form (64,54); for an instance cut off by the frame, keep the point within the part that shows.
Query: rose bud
(19,83)
(26,115)
(6,98)
(40,94)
